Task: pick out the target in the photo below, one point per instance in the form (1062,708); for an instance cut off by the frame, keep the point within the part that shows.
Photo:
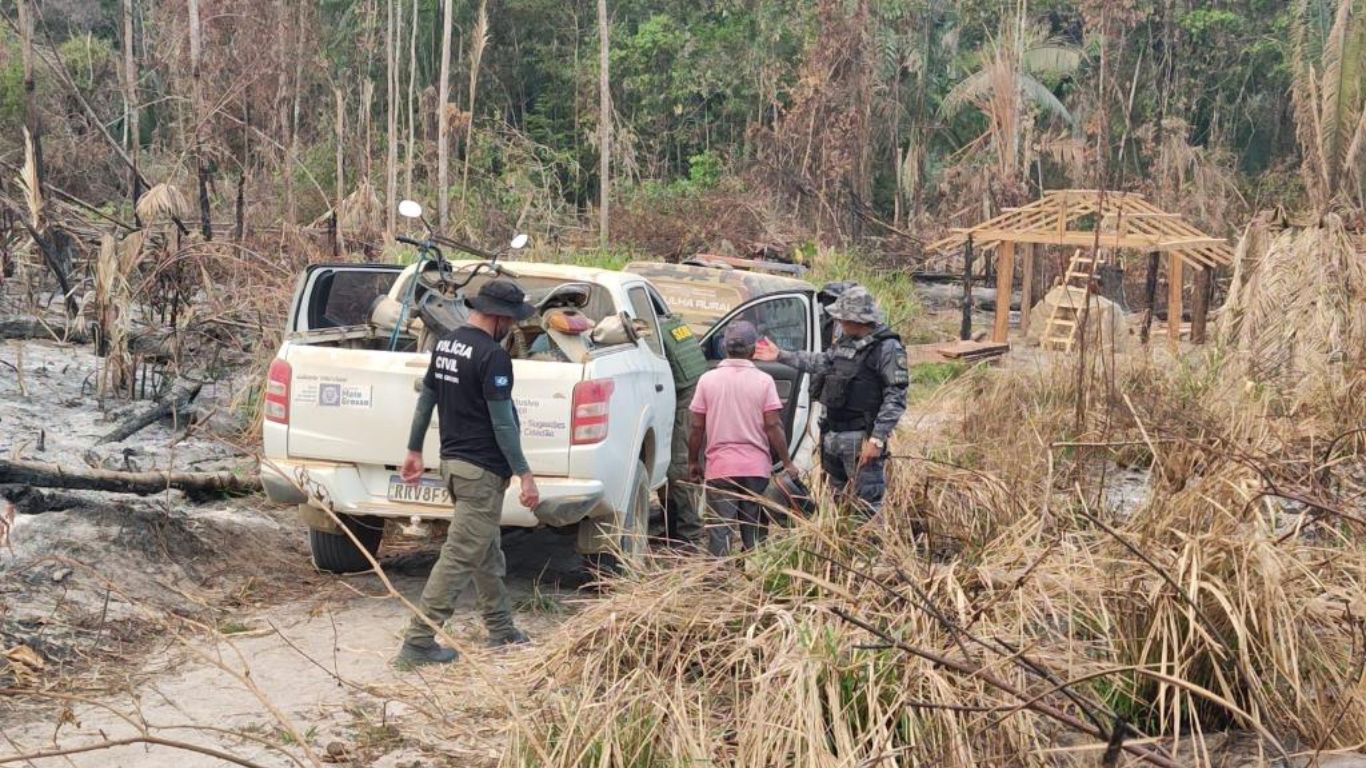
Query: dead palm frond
(113,307)
(1197,181)
(1297,311)
(161,204)
(33,191)
(1329,97)
(360,212)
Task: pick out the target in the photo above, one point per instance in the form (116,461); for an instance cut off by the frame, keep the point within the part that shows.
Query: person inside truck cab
(469,380)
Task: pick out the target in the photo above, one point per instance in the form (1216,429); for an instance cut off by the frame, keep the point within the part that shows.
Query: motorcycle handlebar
(490,262)
(460,245)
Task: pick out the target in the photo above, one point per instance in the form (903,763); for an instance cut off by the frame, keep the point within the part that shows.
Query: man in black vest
(469,382)
(863,393)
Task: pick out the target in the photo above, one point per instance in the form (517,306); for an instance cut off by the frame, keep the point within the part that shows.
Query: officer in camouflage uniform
(683,524)
(863,392)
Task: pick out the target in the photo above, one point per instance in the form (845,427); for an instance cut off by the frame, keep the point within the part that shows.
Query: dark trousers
(859,485)
(682,523)
(472,553)
(733,500)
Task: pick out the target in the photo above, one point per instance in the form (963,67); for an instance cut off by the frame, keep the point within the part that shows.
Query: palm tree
(1007,85)
(1330,100)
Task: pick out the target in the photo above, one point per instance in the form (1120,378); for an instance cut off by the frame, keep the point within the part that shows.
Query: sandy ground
(319,666)
(205,623)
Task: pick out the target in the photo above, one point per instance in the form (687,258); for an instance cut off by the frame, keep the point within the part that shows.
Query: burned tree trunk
(31,120)
(340,125)
(604,124)
(132,113)
(477,45)
(197,97)
(30,328)
(391,127)
(172,404)
(965,328)
(240,209)
(1149,297)
(443,120)
(45,475)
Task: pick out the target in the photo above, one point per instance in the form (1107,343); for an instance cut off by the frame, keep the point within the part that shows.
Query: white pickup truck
(596,418)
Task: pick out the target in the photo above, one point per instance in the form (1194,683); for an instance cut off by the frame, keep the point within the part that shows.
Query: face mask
(502,329)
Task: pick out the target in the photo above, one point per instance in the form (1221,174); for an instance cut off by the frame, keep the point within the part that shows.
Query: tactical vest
(852,389)
(682,350)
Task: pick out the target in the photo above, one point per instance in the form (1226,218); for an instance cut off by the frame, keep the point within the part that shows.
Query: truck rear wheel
(336,553)
(635,527)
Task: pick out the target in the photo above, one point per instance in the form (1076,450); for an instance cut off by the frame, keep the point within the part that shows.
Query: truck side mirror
(519,242)
(410,209)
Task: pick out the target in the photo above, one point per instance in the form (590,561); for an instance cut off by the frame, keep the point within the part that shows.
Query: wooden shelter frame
(1122,221)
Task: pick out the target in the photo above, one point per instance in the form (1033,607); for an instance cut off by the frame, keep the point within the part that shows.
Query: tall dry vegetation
(1016,607)
(1330,102)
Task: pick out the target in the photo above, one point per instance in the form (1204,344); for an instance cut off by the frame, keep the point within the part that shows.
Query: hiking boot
(416,654)
(513,636)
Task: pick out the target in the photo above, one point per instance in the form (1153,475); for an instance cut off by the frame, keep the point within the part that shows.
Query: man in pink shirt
(736,415)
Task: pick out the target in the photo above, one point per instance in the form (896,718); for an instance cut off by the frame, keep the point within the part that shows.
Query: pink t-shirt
(734,397)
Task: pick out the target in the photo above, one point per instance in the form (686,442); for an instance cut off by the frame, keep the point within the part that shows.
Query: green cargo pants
(473,551)
(682,522)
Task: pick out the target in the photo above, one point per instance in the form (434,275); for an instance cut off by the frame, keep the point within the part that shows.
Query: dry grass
(1010,611)
(1295,320)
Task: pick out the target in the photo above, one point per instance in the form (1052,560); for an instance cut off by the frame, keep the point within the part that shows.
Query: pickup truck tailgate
(543,393)
(354,405)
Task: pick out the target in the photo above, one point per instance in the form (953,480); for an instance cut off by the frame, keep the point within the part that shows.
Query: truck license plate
(428,490)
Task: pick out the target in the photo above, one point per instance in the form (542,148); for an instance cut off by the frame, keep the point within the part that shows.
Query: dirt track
(321,660)
(161,614)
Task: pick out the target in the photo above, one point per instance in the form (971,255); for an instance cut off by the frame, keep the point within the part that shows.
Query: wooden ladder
(1061,331)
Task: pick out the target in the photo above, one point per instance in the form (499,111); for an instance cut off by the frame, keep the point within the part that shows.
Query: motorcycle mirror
(410,209)
(519,242)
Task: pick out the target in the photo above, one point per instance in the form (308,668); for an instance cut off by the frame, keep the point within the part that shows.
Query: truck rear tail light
(592,401)
(277,392)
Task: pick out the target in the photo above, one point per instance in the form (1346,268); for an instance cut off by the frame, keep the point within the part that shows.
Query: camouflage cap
(856,305)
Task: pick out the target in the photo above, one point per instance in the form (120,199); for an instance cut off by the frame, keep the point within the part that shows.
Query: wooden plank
(1200,305)
(1094,193)
(965,326)
(1005,276)
(1193,261)
(1027,288)
(1174,303)
(969,350)
(1088,239)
